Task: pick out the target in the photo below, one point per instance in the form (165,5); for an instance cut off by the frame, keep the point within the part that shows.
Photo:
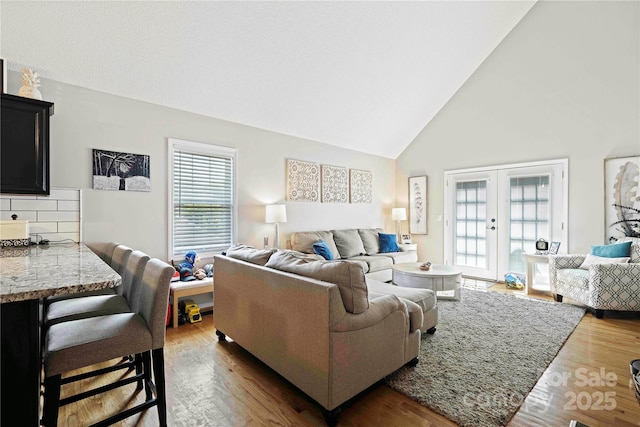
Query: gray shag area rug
(488,352)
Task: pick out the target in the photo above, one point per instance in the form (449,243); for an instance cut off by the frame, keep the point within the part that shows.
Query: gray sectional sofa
(360,246)
(322,325)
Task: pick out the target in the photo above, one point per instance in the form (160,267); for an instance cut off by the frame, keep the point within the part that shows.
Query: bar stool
(78,343)
(99,305)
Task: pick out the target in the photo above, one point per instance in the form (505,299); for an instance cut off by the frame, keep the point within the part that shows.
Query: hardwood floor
(220,384)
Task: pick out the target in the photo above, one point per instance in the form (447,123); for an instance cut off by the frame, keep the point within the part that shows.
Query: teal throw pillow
(612,251)
(321,248)
(388,243)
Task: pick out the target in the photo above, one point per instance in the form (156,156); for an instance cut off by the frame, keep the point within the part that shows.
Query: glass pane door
(472,224)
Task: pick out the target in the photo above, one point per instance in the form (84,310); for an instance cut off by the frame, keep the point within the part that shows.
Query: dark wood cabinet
(24,153)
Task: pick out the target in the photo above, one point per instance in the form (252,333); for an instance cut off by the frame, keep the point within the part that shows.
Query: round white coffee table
(439,278)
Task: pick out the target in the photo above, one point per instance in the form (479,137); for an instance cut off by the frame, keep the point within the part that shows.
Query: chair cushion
(78,343)
(370,240)
(388,243)
(303,242)
(321,248)
(574,277)
(635,248)
(348,243)
(616,250)
(250,254)
(349,277)
(81,308)
(593,259)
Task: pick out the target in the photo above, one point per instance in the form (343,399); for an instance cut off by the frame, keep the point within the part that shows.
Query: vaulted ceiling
(362,75)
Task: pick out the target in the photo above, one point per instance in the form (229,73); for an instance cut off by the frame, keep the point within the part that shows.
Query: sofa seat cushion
(416,314)
(575,277)
(349,277)
(303,242)
(348,242)
(401,257)
(250,254)
(374,263)
(425,298)
(370,240)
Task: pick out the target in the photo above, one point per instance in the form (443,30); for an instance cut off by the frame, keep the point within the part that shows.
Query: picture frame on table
(418,204)
(406,239)
(553,248)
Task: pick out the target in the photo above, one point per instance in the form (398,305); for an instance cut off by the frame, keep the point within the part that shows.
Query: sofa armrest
(615,277)
(379,309)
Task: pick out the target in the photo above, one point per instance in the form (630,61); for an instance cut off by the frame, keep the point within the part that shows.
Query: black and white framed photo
(553,248)
(113,170)
(418,201)
(406,238)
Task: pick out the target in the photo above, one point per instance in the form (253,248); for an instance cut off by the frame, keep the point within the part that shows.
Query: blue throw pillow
(388,243)
(617,250)
(322,249)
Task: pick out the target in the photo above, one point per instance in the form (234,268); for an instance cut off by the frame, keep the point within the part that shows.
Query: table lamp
(275,214)
(399,214)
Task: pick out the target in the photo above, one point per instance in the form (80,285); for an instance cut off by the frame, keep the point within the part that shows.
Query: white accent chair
(601,287)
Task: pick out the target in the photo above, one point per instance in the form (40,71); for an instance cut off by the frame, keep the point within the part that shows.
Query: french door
(493,215)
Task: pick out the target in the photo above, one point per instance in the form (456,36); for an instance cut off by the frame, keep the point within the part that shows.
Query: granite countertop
(36,272)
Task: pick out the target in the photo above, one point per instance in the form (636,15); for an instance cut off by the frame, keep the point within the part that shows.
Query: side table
(405,247)
(532,260)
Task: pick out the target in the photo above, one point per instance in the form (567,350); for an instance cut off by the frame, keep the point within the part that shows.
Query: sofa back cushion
(634,253)
(348,243)
(250,254)
(303,242)
(347,276)
(370,240)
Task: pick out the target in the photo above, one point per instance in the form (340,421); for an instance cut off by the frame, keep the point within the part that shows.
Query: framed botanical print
(418,204)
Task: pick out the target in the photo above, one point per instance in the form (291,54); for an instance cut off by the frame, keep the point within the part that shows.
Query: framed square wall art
(418,204)
(622,197)
(361,186)
(335,184)
(303,181)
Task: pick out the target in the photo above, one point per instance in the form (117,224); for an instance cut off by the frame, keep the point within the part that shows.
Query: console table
(27,275)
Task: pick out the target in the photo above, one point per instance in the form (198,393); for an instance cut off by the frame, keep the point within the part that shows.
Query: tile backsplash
(55,217)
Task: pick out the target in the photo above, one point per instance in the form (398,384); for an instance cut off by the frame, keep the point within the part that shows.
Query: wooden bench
(185,289)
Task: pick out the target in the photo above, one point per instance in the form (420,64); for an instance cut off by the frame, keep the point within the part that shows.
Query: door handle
(493,227)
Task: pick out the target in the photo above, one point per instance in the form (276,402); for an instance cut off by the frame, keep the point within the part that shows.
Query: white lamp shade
(275,214)
(398,214)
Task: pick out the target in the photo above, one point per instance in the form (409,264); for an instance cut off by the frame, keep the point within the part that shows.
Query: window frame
(174,145)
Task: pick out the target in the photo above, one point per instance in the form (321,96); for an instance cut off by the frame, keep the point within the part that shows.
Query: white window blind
(203,200)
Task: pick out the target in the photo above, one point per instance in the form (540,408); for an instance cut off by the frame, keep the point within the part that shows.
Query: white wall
(85,119)
(563,84)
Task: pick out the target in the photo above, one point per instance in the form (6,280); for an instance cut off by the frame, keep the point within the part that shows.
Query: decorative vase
(30,84)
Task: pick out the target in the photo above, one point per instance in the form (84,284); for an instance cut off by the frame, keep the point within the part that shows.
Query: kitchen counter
(27,275)
(34,272)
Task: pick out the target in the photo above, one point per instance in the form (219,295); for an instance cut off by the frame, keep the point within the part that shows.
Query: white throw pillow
(592,259)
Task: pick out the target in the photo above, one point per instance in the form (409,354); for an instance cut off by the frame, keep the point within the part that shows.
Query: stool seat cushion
(80,308)
(78,343)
